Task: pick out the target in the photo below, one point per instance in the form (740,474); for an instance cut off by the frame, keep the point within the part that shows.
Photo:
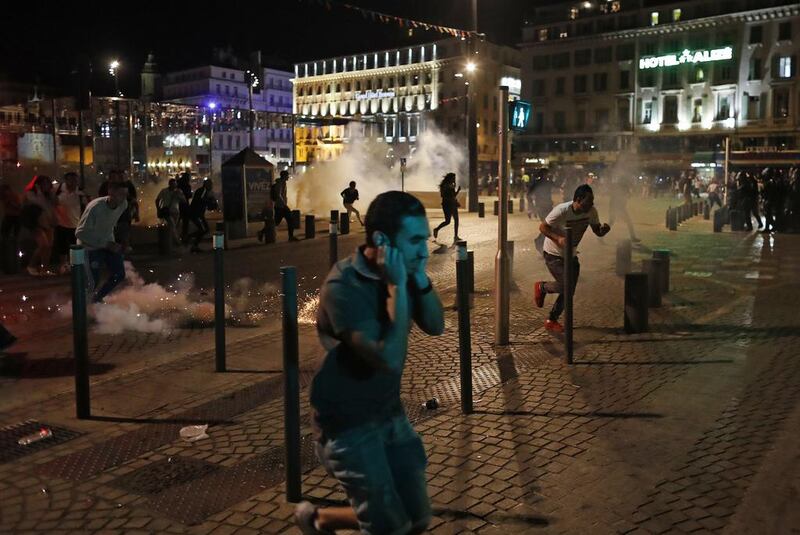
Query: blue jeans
(382,468)
(115,265)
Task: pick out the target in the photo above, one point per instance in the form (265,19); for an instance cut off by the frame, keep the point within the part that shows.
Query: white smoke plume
(368,163)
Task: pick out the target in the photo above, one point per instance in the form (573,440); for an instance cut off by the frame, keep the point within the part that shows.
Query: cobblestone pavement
(675,430)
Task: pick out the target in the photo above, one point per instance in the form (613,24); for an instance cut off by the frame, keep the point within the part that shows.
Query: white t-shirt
(563,215)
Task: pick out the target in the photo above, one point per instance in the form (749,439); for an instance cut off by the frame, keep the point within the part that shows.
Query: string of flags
(403,22)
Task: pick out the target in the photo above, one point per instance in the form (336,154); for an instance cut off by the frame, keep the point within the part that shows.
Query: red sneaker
(553,326)
(538,294)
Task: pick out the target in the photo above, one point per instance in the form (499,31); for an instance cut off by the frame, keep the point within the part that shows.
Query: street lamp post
(472,141)
(113,67)
(211,107)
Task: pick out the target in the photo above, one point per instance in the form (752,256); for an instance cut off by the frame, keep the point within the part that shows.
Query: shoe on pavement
(305,514)
(260,235)
(538,294)
(553,326)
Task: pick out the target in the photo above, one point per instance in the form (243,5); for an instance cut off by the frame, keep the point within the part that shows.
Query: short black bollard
(623,257)
(663,255)
(669,217)
(673,220)
(496,210)
(295,219)
(464,336)
(471,263)
(569,276)
(653,270)
(270,233)
(311,227)
(522,204)
(481,209)
(80,338)
(737,220)
(333,238)
(718,220)
(219,301)
(291,385)
(706,211)
(510,206)
(344,223)
(635,303)
(165,237)
(11,256)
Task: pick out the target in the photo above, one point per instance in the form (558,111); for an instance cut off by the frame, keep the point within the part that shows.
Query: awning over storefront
(759,158)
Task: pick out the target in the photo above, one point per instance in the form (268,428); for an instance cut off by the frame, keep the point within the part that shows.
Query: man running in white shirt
(579,214)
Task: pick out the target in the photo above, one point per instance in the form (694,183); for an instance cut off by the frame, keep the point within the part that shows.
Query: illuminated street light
(113,67)
(471,67)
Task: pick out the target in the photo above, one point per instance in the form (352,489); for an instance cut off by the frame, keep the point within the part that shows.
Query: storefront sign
(369,95)
(687,56)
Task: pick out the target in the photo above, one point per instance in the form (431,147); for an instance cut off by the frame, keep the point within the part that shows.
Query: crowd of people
(773,192)
(50,212)
(178,206)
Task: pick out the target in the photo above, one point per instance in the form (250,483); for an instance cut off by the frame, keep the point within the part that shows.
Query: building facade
(392,96)
(666,81)
(218,88)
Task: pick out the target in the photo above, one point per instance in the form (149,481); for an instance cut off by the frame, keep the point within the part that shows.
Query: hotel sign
(687,56)
(369,95)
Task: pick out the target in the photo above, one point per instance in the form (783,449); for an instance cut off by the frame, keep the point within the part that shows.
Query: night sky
(41,43)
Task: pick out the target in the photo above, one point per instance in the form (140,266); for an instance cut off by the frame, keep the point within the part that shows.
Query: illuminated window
(543,35)
(573,13)
(647,112)
(654,18)
(785,67)
(676,15)
(615,6)
(697,110)
(563,35)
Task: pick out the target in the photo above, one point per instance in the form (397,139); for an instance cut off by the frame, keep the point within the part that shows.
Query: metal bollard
(496,208)
(623,257)
(471,263)
(569,275)
(522,204)
(295,219)
(663,255)
(669,217)
(344,223)
(291,385)
(510,206)
(333,238)
(219,301)
(464,336)
(636,303)
(706,211)
(673,220)
(311,226)
(718,221)
(80,338)
(653,270)
(737,220)
(481,209)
